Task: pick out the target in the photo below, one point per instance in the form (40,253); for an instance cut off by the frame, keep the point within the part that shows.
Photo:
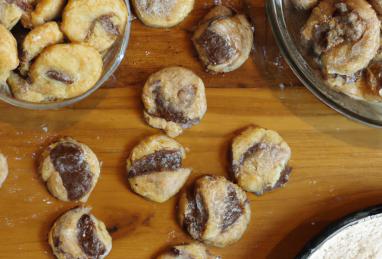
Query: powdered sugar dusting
(362,240)
(157,7)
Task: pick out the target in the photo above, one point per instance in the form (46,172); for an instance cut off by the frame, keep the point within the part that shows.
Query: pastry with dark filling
(70,170)
(36,41)
(80,235)
(96,23)
(174,99)
(61,71)
(8,54)
(154,168)
(11,11)
(42,11)
(188,251)
(223,40)
(3,169)
(214,211)
(162,13)
(260,160)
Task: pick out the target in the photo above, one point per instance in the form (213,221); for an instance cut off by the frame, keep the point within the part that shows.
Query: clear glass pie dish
(286,22)
(111,60)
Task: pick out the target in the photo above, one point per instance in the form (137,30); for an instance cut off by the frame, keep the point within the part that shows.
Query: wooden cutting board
(337,163)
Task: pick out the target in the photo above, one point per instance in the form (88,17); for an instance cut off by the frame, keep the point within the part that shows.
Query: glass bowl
(286,23)
(111,61)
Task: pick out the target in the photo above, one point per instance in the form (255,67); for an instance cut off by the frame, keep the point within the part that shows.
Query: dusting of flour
(360,241)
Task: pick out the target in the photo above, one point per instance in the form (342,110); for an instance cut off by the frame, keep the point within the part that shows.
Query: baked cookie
(162,13)
(42,12)
(344,35)
(78,234)
(260,160)
(12,10)
(3,169)
(8,53)
(215,211)
(97,23)
(223,40)
(61,71)
(154,168)
(174,99)
(36,40)
(187,251)
(70,170)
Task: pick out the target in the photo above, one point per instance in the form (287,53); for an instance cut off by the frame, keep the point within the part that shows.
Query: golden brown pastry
(214,211)
(187,251)
(43,11)
(3,169)
(12,10)
(174,100)
(70,170)
(223,40)
(78,234)
(154,168)
(260,160)
(97,23)
(162,13)
(61,71)
(8,54)
(36,40)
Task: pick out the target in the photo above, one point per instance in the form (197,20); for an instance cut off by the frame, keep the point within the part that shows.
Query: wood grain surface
(336,163)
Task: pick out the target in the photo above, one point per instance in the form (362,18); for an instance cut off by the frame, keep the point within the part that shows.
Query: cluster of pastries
(56,52)
(344,38)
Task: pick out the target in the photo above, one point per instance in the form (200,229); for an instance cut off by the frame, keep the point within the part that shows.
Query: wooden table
(337,163)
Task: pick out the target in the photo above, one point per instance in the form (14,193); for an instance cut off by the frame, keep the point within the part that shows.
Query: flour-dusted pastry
(188,251)
(70,170)
(36,40)
(174,99)
(43,11)
(80,235)
(154,168)
(97,23)
(215,211)
(260,160)
(12,10)
(162,13)
(223,40)
(61,71)
(8,54)
(3,169)
(345,35)
(304,4)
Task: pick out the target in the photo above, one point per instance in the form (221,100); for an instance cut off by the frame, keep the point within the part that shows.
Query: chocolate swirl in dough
(188,251)
(154,168)
(215,211)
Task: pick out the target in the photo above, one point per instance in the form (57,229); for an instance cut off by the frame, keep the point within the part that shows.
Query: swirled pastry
(61,71)
(187,251)
(70,170)
(174,99)
(304,4)
(8,54)
(260,160)
(223,40)
(11,11)
(214,211)
(36,40)
(162,13)
(97,23)
(43,11)
(154,168)
(3,169)
(78,234)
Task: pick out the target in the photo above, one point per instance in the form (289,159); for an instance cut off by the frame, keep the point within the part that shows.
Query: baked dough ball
(3,169)
(223,40)
(162,13)
(70,170)
(304,4)
(260,160)
(78,234)
(187,251)
(8,53)
(344,35)
(61,71)
(97,23)
(36,40)
(154,168)
(12,10)
(174,99)
(215,211)
(43,11)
